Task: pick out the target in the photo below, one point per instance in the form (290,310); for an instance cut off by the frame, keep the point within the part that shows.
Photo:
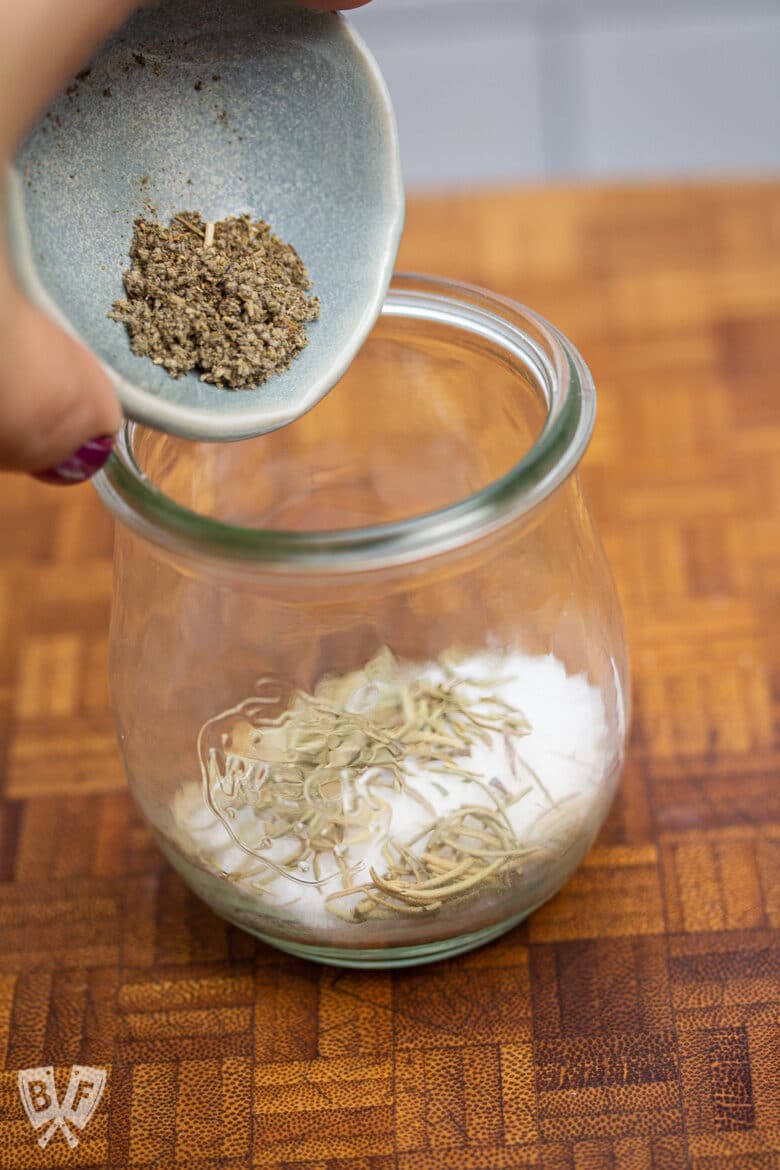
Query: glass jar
(369,672)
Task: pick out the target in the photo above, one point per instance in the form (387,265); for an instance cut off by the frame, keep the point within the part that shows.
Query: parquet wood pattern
(633,1023)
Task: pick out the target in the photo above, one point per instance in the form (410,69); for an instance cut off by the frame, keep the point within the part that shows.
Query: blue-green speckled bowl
(225,107)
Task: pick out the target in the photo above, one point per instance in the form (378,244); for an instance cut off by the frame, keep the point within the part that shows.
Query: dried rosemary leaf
(328,755)
(229,299)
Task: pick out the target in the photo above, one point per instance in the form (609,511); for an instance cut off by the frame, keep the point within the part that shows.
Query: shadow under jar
(369,672)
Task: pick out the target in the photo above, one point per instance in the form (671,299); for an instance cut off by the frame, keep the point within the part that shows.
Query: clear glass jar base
(392,956)
(357,958)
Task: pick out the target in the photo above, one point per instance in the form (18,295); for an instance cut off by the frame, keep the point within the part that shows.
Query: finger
(42,43)
(54,398)
(329,5)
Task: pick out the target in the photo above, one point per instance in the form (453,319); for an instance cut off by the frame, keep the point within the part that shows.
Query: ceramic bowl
(223,107)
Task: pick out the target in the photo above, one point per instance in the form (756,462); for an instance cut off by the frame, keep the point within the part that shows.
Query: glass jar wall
(369,672)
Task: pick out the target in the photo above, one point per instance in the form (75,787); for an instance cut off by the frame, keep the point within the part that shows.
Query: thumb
(331,4)
(54,398)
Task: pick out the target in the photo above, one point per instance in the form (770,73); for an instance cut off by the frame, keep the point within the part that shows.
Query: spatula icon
(39,1098)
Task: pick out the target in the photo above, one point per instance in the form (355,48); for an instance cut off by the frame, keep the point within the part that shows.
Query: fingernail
(82,465)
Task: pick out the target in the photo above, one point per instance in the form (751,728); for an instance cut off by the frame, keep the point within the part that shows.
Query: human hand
(58,409)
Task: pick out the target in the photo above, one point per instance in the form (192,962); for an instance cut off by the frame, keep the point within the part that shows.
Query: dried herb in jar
(229,299)
(435,797)
(329,776)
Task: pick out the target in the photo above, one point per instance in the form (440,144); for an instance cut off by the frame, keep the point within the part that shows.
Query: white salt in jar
(369,671)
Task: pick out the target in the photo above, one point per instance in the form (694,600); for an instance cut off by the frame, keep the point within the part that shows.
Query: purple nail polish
(82,465)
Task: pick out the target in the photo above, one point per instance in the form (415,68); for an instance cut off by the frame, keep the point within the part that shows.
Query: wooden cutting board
(633,1023)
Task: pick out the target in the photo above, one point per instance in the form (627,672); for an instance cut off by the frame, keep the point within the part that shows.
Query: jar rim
(570,395)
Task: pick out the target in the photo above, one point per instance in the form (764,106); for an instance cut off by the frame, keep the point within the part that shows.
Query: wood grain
(631,1023)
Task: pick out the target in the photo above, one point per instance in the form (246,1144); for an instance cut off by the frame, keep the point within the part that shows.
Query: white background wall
(500,90)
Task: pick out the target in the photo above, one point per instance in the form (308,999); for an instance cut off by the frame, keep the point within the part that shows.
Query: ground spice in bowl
(227,299)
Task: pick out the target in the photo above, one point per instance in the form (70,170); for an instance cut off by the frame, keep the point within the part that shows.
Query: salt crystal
(553,783)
